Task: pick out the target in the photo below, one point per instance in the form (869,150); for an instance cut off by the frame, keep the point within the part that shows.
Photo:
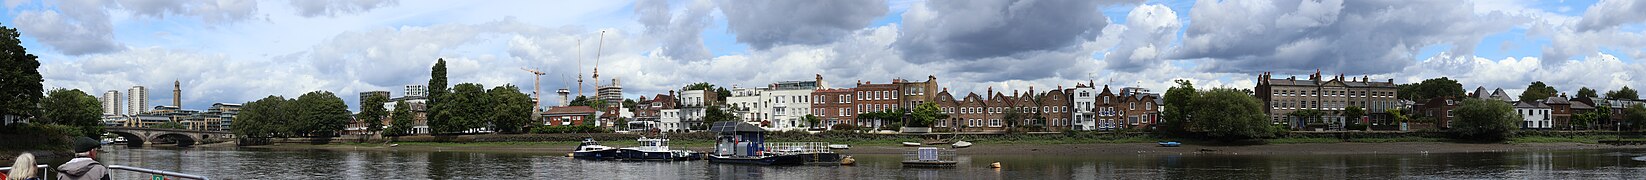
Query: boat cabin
(739,139)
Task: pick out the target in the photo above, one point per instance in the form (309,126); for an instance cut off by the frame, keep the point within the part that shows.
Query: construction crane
(537,83)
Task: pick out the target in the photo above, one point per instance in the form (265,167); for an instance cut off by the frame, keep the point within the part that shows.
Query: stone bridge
(136,136)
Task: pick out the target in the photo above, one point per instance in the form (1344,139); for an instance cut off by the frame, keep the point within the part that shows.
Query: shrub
(568,129)
(1485,120)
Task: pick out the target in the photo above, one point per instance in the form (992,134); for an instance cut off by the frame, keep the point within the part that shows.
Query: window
(994,123)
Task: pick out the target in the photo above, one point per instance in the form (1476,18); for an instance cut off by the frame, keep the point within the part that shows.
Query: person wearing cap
(84,165)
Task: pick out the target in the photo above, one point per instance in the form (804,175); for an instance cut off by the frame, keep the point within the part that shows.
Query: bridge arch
(132,139)
(181,139)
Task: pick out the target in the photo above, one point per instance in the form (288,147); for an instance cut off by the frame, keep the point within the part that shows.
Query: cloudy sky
(237,51)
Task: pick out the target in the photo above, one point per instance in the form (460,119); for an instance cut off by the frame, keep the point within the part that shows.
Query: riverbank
(1026,149)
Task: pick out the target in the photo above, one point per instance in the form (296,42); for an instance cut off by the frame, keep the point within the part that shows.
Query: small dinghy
(839,146)
(911,144)
(1170,144)
(961,144)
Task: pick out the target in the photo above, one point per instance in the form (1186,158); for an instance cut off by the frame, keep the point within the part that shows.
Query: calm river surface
(249,163)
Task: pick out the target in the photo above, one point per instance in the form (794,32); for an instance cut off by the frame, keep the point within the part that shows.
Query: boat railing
(43,168)
(47,168)
(798,147)
(930,154)
(158,172)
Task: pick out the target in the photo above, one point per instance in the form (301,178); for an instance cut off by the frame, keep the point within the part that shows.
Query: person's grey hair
(23,168)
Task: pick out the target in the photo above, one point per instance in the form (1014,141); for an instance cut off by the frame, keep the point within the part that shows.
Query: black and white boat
(655,149)
(592,150)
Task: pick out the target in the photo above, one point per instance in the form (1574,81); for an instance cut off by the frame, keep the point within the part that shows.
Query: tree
(402,122)
(1230,114)
(20,80)
(1431,88)
(263,118)
(1354,113)
(511,110)
(438,116)
(698,86)
(581,101)
(71,107)
(714,114)
(372,112)
(1178,106)
(721,94)
(1624,93)
(1636,115)
(1485,120)
(811,120)
(1537,91)
(1396,116)
(322,114)
(629,103)
(925,114)
(1586,92)
(467,107)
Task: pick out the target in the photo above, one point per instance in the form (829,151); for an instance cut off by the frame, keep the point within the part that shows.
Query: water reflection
(249,163)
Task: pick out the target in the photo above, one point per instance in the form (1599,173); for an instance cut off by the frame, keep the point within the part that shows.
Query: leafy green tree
(439,118)
(698,86)
(721,94)
(511,110)
(581,101)
(467,108)
(1485,120)
(1624,93)
(402,123)
(1178,101)
(1011,117)
(74,108)
(1230,114)
(264,118)
(323,113)
(629,103)
(1536,91)
(1396,116)
(924,115)
(1586,92)
(373,113)
(715,114)
(1635,116)
(20,80)
(1437,87)
(812,120)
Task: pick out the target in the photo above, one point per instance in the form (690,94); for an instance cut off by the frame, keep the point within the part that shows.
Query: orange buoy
(995,165)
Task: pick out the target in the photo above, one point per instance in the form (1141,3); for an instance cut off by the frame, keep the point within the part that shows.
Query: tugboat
(742,143)
(592,150)
(655,149)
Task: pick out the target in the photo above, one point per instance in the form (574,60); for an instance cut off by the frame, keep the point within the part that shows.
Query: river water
(252,163)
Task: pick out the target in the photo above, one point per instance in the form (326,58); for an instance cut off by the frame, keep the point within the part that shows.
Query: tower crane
(537,83)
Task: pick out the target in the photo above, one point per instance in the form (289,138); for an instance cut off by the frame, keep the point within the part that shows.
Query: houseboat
(742,143)
(592,150)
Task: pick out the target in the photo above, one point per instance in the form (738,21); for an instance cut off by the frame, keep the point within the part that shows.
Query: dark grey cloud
(967,30)
(1371,36)
(766,23)
(1610,13)
(680,36)
(317,8)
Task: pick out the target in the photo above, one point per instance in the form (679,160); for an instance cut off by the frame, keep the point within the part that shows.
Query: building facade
(834,106)
(420,91)
(568,116)
(870,97)
(1534,115)
(1281,97)
(1083,104)
(111,102)
(138,100)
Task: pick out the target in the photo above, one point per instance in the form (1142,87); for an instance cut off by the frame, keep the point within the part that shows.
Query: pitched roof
(570,110)
(1582,106)
(1523,104)
(1556,100)
(733,127)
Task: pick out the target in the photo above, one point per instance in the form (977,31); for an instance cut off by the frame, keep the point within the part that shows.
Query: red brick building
(972,112)
(834,106)
(946,105)
(1054,106)
(870,97)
